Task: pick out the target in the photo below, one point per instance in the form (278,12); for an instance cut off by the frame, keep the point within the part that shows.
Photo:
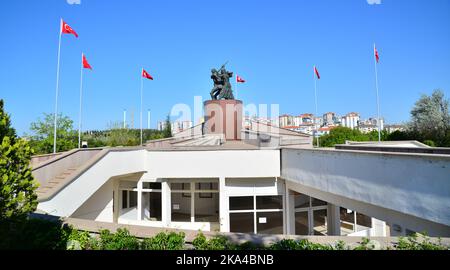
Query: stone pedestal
(224,117)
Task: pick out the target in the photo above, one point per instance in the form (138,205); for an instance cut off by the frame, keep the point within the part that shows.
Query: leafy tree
(430,118)
(167,132)
(17,185)
(339,135)
(43,131)
(120,136)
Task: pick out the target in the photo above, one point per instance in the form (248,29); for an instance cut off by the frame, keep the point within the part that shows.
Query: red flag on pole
(146,75)
(85,63)
(66,29)
(317,72)
(239,79)
(376,54)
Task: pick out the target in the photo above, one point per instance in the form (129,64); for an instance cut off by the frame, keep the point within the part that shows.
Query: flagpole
(81,95)
(315,100)
(378,101)
(57,89)
(236,83)
(142,85)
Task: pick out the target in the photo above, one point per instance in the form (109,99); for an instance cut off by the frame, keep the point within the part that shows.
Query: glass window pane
(124,199)
(155,206)
(269,202)
(347,221)
(301,200)
(320,222)
(149,185)
(206,208)
(241,203)
(363,222)
(133,198)
(207,186)
(301,223)
(242,222)
(181,207)
(180,186)
(269,222)
(317,202)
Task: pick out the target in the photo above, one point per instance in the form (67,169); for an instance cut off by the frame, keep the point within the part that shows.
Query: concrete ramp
(408,188)
(68,180)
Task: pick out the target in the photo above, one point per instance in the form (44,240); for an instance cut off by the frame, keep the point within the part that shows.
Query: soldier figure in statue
(218,84)
(222,86)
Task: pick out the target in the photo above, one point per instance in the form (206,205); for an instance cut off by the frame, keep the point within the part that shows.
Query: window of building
(269,222)
(181,207)
(241,203)
(124,199)
(242,222)
(311,215)
(129,199)
(151,201)
(196,201)
(151,185)
(351,221)
(269,202)
(256,214)
(133,199)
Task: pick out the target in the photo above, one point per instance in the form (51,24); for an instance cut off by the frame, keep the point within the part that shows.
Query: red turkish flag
(85,62)
(239,79)
(66,29)
(317,72)
(146,75)
(376,53)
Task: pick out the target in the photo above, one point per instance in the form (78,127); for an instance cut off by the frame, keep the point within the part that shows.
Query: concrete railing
(55,166)
(394,149)
(38,159)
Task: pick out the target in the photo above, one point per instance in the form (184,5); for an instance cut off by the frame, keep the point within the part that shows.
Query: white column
(223,206)
(192,201)
(116,203)
(139,200)
(378,228)
(289,211)
(333,220)
(166,209)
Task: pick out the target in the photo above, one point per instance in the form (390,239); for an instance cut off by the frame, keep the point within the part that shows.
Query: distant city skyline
(272,44)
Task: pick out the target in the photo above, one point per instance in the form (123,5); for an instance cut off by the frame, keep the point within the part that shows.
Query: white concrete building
(270,181)
(350,120)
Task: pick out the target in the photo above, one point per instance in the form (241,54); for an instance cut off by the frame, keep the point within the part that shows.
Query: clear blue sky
(272,44)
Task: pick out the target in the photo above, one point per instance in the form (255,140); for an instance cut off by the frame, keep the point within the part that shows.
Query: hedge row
(44,234)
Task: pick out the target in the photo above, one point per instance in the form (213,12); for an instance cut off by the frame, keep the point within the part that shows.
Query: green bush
(78,240)
(52,235)
(429,143)
(218,242)
(303,244)
(33,234)
(413,243)
(164,241)
(121,240)
(365,245)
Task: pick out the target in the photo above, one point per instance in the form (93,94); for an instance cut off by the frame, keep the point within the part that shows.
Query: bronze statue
(222,86)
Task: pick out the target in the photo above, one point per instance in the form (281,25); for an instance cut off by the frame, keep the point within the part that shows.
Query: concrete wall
(229,163)
(51,168)
(402,185)
(99,206)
